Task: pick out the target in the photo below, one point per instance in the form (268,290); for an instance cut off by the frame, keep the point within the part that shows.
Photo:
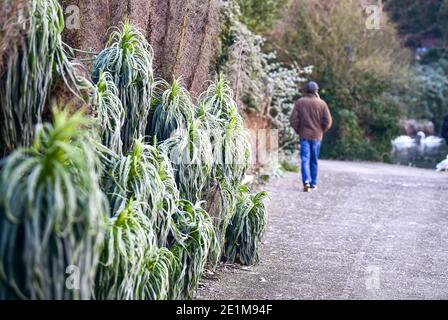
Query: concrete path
(371,231)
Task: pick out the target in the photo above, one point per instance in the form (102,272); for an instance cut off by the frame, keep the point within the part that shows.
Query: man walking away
(445,128)
(310,119)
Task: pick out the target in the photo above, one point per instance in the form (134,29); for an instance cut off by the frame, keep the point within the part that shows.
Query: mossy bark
(182,33)
(11,33)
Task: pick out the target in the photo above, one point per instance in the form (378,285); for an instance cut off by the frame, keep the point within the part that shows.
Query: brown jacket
(311,118)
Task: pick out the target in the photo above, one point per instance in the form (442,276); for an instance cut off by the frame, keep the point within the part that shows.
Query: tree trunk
(11,33)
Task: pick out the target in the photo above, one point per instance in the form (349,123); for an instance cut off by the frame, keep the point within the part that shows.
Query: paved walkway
(371,231)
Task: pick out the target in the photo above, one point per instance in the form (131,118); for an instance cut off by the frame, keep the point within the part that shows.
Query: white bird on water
(443,165)
(430,142)
(403,142)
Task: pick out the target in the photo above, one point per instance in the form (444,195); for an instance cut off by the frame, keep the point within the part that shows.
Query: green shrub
(260,15)
(30,72)
(128,58)
(290,167)
(172,110)
(109,113)
(430,95)
(231,151)
(246,228)
(194,243)
(144,175)
(51,214)
(417,20)
(346,139)
(129,240)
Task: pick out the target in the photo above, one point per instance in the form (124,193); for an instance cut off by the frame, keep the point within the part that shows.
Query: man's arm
(326,120)
(294,119)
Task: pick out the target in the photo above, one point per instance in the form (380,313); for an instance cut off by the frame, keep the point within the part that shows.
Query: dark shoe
(313,187)
(306,187)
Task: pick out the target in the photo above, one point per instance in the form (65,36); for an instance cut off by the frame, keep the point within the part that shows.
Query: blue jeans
(309,154)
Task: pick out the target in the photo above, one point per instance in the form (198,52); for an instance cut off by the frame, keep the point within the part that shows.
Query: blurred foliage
(358,69)
(434,55)
(423,24)
(366,76)
(261,83)
(428,98)
(289,166)
(260,15)
(418,20)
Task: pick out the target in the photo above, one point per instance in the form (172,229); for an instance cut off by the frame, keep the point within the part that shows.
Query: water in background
(420,157)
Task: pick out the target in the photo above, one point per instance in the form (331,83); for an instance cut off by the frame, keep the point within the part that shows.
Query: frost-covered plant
(247,228)
(129,238)
(159,272)
(30,72)
(231,146)
(190,151)
(128,58)
(109,113)
(218,99)
(236,148)
(144,175)
(196,243)
(231,151)
(52,212)
(132,266)
(136,264)
(172,110)
(282,90)
(431,94)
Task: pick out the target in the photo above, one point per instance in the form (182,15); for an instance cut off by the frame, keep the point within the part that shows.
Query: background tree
(424,27)
(260,15)
(420,21)
(355,67)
